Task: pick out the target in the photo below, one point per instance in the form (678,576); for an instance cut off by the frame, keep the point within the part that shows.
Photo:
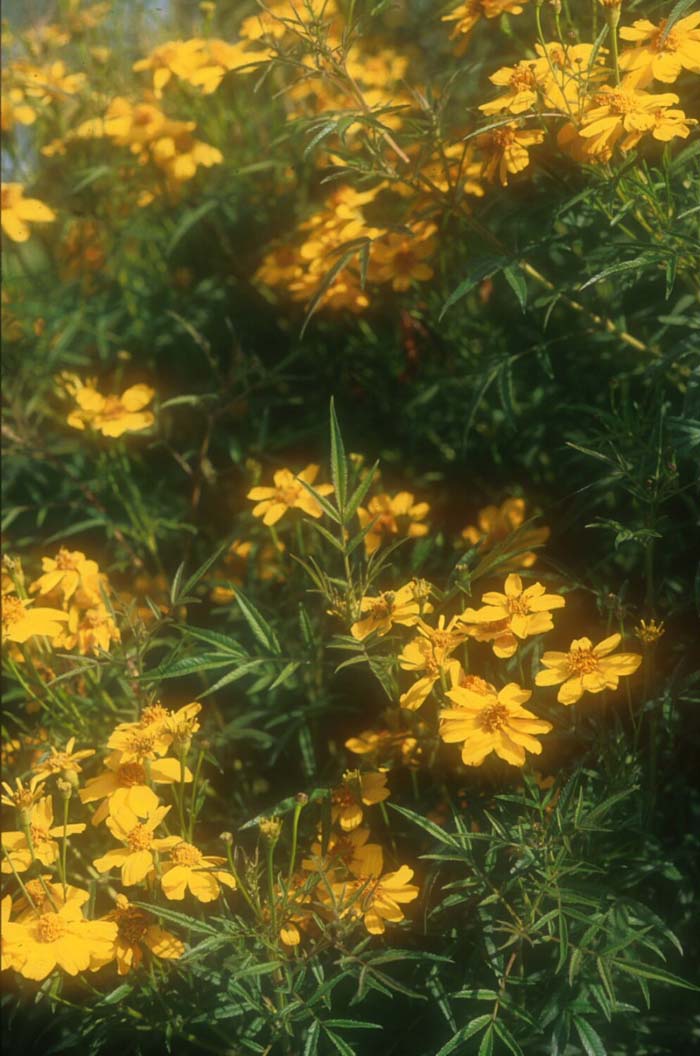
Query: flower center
(50,927)
(12,611)
(670,43)
(39,835)
(132,923)
(517,607)
(476,684)
(404,261)
(493,718)
(154,713)
(140,838)
(502,138)
(130,774)
(522,78)
(141,743)
(289,494)
(383,606)
(65,561)
(186,854)
(583,661)
(617,102)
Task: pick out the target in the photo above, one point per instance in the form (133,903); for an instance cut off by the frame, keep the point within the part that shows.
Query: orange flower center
(130,774)
(154,713)
(140,838)
(517,607)
(36,893)
(50,927)
(493,718)
(141,743)
(39,835)
(617,102)
(12,611)
(382,607)
(113,408)
(476,684)
(502,138)
(583,661)
(289,494)
(65,561)
(131,923)
(672,41)
(522,78)
(185,854)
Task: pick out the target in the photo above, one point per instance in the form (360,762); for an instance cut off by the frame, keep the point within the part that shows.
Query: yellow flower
(16,211)
(650,632)
(62,762)
(392,515)
(355,791)
(124,784)
(521,84)
(486,721)
(91,630)
(429,652)
(518,613)
(189,869)
(496,523)
(383,745)
(178,58)
(50,83)
(566,74)
(136,859)
(154,733)
(506,150)
(466,16)
(349,849)
(377,901)
(622,115)
(62,939)
(43,835)
(288,494)
(22,797)
(657,55)
(400,259)
(66,572)
(43,902)
(586,668)
(113,415)
(15,109)
(20,621)
(135,927)
(403,606)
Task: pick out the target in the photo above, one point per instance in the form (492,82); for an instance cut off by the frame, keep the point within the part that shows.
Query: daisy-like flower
(62,762)
(378,901)
(135,831)
(506,150)
(485,721)
(586,668)
(516,614)
(62,939)
(137,928)
(16,212)
(357,790)
(187,869)
(429,652)
(124,784)
(520,82)
(349,849)
(154,733)
(401,259)
(393,515)
(113,415)
(90,630)
(659,55)
(403,606)
(10,957)
(44,835)
(650,632)
(466,16)
(22,797)
(496,523)
(622,115)
(21,620)
(288,494)
(566,74)
(68,571)
(46,896)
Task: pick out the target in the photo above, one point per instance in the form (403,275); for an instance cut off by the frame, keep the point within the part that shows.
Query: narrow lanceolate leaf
(429,826)
(472,1028)
(648,971)
(590,1039)
(507,1038)
(201,571)
(258,624)
(358,495)
(321,500)
(677,13)
(339,467)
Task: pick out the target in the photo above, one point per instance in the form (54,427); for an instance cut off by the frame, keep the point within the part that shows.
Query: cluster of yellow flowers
(72,609)
(46,927)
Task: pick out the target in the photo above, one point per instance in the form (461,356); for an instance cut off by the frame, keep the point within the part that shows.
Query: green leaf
(192,217)
(516,280)
(360,491)
(482,269)
(188,665)
(321,500)
(464,1034)
(311,1044)
(507,1038)
(339,468)
(342,1046)
(258,624)
(486,1046)
(351,248)
(677,13)
(428,826)
(590,1039)
(201,571)
(647,971)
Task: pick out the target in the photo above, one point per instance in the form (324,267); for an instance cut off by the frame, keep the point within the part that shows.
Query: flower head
(349,850)
(136,832)
(486,721)
(377,901)
(16,212)
(586,668)
(21,620)
(124,784)
(137,928)
(112,415)
(650,632)
(496,523)
(622,115)
(660,54)
(429,652)
(518,613)
(288,493)
(67,573)
(43,835)
(62,939)
(403,606)
(355,791)
(64,761)
(506,150)
(392,516)
(189,869)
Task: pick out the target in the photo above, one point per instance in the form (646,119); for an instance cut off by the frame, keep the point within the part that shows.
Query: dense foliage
(350,589)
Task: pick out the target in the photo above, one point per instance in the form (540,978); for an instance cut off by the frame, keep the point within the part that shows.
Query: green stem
(64,846)
(195,781)
(19,880)
(298,807)
(240,886)
(270,848)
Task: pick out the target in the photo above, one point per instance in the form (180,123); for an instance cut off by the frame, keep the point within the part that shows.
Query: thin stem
(298,807)
(195,781)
